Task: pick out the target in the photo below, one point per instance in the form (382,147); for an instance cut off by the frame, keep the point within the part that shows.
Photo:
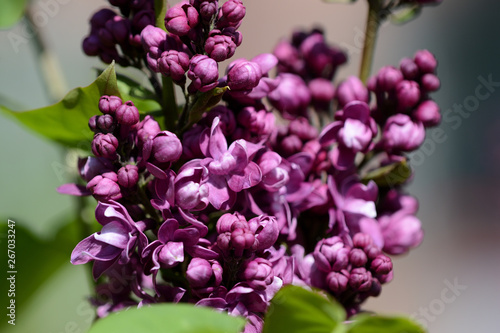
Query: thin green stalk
(371,30)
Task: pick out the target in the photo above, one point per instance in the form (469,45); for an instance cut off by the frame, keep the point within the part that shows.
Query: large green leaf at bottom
(295,309)
(169,318)
(66,122)
(365,323)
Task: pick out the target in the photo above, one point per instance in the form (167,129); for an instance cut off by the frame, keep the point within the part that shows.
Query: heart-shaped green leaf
(66,122)
(169,318)
(295,309)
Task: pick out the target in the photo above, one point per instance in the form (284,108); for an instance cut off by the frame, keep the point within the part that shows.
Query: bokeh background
(457,180)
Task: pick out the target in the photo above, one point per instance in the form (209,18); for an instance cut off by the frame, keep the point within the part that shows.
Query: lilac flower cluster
(267,188)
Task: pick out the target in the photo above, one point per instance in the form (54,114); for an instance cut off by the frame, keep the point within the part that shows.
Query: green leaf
(66,122)
(381,324)
(405,14)
(11,12)
(295,309)
(35,260)
(171,318)
(389,175)
(143,98)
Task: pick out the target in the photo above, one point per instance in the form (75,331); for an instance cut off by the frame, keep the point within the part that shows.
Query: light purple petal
(114,234)
(171,254)
(74,189)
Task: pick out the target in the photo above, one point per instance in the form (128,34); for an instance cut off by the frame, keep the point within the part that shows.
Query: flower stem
(169,103)
(371,30)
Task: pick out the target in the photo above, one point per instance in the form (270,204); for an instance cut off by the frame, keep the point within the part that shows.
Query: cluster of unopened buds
(273,185)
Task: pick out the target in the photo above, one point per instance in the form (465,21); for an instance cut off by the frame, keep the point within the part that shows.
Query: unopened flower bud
(257,273)
(203,72)
(382,264)
(152,36)
(93,124)
(231,14)
(105,145)
(408,94)
(338,281)
(127,114)
(322,92)
(202,273)
(245,75)
(174,64)
(352,89)
(425,61)
(387,78)
(409,68)
(357,257)
(166,147)
(128,176)
(360,279)
(430,82)
(428,113)
(105,123)
(109,104)
(181,18)
(222,45)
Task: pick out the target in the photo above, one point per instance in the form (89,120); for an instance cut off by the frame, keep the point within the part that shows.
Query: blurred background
(450,283)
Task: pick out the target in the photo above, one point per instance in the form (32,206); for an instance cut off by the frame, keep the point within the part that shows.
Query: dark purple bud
(289,59)
(127,114)
(409,68)
(181,18)
(128,176)
(357,257)
(222,45)
(119,28)
(90,167)
(100,18)
(338,281)
(174,64)
(109,104)
(401,133)
(387,78)
(352,89)
(428,113)
(430,82)
(203,72)
(322,93)
(105,123)
(105,188)
(142,19)
(152,36)
(166,147)
(91,45)
(104,145)
(93,124)
(408,94)
(245,75)
(321,59)
(206,8)
(231,14)
(381,265)
(425,61)
(360,279)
